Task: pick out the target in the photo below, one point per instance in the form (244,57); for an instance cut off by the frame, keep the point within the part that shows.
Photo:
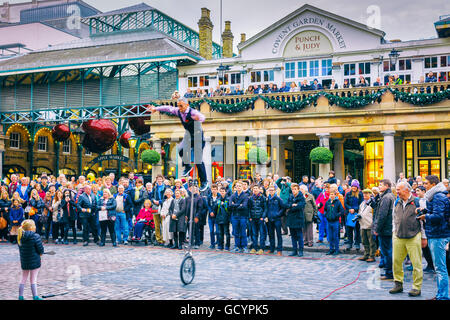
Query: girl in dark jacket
(37,206)
(69,216)
(31,249)
(16,216)
(5,205)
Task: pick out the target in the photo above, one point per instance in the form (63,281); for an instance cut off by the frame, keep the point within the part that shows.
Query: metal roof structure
(141,17)
(153,47)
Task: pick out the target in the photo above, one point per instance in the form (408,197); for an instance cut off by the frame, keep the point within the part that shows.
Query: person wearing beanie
(353,200)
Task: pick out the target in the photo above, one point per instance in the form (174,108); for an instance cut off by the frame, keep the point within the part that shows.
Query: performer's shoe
(204,186)
(187,171)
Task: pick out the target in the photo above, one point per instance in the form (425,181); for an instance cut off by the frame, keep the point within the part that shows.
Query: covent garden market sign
(311,42)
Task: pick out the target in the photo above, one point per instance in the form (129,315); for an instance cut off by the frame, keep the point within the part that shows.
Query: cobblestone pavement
(140,272)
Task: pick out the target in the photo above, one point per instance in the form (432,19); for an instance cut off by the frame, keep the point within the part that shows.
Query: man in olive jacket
(408,236)
(310,216)
(382,225)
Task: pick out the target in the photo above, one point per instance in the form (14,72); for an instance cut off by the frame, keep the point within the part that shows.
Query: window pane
(434,62)
(443,61)
(408,64)
(385,66)
(367,68)
(352,69)
(427,63)
(314,68)
(361,68)
(326,67)
(346,69)
(401,64)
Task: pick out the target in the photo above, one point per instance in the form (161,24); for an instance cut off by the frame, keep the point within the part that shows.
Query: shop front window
(217,161)
(245,169)
(409,148)
(430,167)
(373,157)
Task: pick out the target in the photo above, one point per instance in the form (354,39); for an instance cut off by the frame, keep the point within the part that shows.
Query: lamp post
(221,71)
(79,136)
(133,142)
(393,56)
(362,139)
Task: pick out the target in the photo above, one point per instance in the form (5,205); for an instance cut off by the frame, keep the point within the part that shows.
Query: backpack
(3,223)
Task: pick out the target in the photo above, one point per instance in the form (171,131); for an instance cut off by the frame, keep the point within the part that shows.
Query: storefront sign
(307,43)
(429,148)
(304,22)
(109,157)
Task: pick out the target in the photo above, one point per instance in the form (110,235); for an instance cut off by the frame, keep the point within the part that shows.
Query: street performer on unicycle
(193,142)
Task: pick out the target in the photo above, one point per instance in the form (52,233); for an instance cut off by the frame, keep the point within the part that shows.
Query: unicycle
(187,268)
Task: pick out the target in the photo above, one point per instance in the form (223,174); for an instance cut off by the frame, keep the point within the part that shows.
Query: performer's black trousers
(200,167)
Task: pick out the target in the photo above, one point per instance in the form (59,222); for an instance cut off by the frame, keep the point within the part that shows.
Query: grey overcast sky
(400,19)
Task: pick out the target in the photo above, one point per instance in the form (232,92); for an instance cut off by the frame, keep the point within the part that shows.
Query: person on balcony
(257,89)
(237,91)
(249,90)
(378,83)
(188,94)
(346,84)
(175,95)
(305,86)
(284,87)
(316,85)
(397,80)
(333,85)
(362,82)
(294,87)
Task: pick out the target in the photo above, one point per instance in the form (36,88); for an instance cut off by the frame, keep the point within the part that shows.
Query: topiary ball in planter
(321,155)
(150,156)
(257,155)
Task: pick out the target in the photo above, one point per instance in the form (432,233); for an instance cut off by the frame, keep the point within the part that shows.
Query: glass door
(430,167)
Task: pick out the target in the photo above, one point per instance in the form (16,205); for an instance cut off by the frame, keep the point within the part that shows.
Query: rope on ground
(348,284)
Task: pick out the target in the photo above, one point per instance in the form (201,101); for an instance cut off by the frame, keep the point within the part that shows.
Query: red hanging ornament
(137,124)
(100,135)
(123,140)
(60,132)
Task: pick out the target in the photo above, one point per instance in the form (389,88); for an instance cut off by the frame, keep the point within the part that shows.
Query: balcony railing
(432,87)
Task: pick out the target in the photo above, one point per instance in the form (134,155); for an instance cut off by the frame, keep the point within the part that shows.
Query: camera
(356,218)
(420,212)
(316,219)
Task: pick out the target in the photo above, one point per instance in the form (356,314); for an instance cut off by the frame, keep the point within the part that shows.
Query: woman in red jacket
(144,218)
(320,201)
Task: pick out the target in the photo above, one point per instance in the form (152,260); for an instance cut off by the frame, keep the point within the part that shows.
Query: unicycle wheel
(187,270)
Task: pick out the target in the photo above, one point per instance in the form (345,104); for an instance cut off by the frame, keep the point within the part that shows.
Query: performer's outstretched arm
(195,114)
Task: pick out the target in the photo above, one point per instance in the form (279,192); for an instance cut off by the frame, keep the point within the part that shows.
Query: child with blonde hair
(31,249)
